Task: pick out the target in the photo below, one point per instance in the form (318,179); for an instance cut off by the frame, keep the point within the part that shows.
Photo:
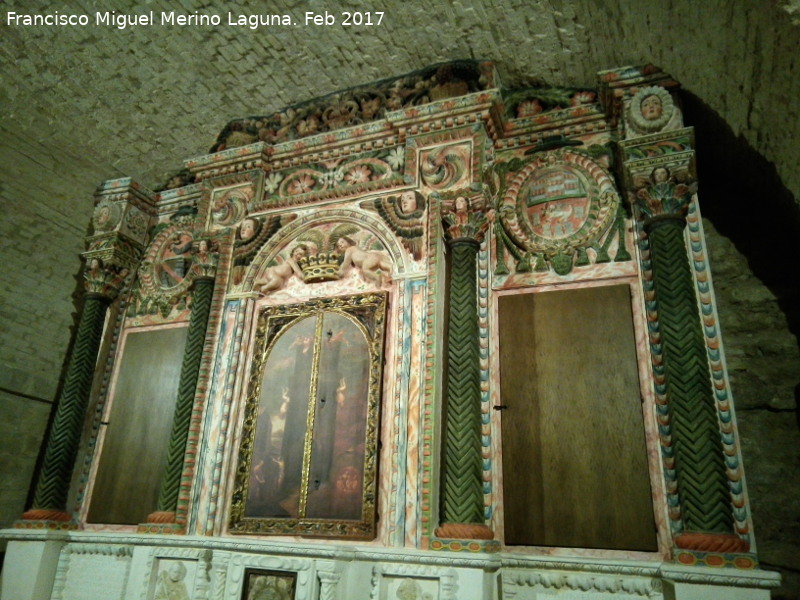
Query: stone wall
(43,225)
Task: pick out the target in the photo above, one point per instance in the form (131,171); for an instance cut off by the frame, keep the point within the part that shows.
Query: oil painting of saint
(312,451)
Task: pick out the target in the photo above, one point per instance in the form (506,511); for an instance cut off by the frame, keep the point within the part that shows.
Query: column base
(712,542)
(46,518)
(162,521)
(464,531)
(161,516)
(45,514)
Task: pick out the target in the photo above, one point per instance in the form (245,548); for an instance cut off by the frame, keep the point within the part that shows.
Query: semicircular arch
(366,221)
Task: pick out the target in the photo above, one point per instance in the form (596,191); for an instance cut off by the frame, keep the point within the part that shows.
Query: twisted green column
(190,370)
(52,486)
(699,461)
(462,491)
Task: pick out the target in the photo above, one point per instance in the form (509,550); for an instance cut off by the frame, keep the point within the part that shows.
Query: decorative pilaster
(661,185)
(205,264)
(462,506)
(328,581)
(122,215)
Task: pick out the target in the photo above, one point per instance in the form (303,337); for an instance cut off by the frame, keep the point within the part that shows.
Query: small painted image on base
(410,588)
(268,585)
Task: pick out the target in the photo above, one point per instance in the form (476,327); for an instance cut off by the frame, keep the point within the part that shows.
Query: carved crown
(323,266)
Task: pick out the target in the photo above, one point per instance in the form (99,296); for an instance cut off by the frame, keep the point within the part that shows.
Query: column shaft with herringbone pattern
(702,483)
(463,492)
(52,485)
(190,369)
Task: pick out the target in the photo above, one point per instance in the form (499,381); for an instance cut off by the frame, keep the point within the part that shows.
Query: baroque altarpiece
(423,339)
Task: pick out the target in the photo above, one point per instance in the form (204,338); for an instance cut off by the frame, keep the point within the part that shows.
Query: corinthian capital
(466,218)
(663,193)
(103,280)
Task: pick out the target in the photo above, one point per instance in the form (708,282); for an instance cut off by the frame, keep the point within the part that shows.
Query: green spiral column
(693,442)
(52,485)
(190,371)
(462,490)
(699,461)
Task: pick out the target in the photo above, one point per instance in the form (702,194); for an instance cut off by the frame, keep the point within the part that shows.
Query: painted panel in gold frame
(308,456)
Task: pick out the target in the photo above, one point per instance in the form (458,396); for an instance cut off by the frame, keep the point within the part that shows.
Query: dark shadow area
(743,196)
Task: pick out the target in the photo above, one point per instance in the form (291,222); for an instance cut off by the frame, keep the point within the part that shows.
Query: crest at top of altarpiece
(361,104)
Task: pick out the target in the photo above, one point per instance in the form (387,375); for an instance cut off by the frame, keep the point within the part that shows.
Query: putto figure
(277,276)
(374,266)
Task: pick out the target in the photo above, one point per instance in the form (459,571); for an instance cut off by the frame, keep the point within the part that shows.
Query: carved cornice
(228,162)
(127,190)
(361,105)
(727,577)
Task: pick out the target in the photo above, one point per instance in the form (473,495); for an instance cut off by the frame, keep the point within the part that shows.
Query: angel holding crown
(276,276)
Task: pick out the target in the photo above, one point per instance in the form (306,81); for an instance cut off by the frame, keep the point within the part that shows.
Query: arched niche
(328,227)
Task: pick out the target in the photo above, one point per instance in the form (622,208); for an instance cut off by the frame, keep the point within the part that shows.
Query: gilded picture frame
(261,584)
(308,457)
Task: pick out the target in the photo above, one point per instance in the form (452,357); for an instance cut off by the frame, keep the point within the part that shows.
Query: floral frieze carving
(373,170)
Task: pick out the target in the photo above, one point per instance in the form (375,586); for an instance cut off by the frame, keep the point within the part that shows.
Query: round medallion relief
(556,203)
(167,263)
(561,200)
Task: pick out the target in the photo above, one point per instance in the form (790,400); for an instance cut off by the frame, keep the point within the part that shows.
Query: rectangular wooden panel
(574,455)
(135,448)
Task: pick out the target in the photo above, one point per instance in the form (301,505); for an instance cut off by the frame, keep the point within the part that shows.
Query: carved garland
(718,373)
(560,582)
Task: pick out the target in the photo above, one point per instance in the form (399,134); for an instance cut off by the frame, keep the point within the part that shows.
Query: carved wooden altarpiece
(425,338)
